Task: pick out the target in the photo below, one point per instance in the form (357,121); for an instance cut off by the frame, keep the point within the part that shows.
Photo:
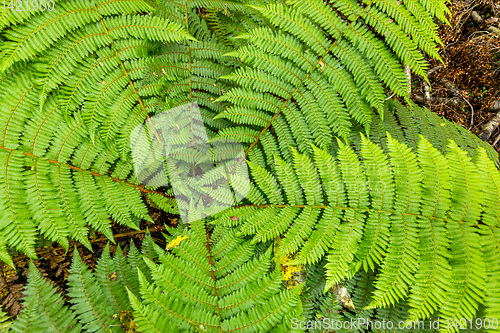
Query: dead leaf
(321,64)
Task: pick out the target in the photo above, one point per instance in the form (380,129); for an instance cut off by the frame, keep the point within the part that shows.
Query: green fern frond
(89,303)
(86,60)
(407,123)
(45,310)
(403,217)
(402,253)
(384,210)
(4,321)
(99,299)
(113,42)
(322,70)
(59,176)
(43,29)
(218,292)
(360,287)
(489,240)
(433,275)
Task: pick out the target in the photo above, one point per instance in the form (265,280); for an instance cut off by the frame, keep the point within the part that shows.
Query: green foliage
(97,298)
(321,69)
(69,87)
(404,215)
(220,293)
(407,123)
(4,321)
(410,216)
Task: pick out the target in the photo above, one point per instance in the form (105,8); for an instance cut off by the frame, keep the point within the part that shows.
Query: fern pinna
(407,222)
(98,300)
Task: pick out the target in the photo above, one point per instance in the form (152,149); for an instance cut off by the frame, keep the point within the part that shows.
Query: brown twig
(407,70)
(457,94)
(434,69)
(454,101)
(496,141)
(477,19)
(491,125)
(427,87)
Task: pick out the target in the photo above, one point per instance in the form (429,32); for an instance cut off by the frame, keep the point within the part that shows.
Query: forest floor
(465,90)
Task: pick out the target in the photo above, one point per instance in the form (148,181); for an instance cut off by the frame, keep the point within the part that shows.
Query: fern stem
(210,261)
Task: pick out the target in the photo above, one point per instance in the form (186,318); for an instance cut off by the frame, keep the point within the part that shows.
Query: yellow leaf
(175,242)
(291,275)
(343,296)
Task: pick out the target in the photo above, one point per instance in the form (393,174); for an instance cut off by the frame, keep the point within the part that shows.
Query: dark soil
(471,55)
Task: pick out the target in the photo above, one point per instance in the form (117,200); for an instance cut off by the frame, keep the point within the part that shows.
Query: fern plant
(68,120)
(321,68)
(407,123)
(231,286)
(87,101)
(98,300)
(413,217)
(60,135)
(222,293)
(215,279)
(296,88)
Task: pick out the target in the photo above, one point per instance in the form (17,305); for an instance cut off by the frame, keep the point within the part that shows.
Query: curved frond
(55,172)
(99,299)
